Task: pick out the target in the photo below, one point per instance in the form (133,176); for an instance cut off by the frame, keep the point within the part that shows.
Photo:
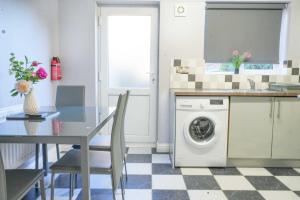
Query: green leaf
(12,90)
(15,94)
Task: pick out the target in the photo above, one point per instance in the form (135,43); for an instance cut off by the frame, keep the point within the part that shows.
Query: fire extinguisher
(55,69)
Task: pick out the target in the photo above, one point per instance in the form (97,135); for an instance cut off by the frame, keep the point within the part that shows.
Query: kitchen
(69,30)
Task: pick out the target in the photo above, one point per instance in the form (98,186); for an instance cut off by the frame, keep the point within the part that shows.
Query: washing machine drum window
(202,129)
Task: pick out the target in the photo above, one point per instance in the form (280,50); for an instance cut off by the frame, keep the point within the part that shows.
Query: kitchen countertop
(234,92)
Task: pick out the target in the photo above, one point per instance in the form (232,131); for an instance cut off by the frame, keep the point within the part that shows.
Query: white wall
(31,29)
(77,45)
(184,38)
(179,37)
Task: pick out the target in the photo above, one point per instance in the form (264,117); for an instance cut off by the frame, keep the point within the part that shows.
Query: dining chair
(101,162)
(70,96)
(66,96)
(102,142)
(15,183)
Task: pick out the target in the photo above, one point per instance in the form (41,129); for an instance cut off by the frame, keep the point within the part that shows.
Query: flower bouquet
(26,74)
(238,59)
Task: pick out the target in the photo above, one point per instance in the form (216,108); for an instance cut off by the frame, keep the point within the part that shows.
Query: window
(259,28)
(246,68)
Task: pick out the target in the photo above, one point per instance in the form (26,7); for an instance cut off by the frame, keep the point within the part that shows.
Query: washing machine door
(199,131)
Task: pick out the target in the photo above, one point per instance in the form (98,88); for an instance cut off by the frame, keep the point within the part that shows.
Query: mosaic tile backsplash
(189,73)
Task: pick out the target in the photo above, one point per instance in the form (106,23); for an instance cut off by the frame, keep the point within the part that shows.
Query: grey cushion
(19,181)
(100,162)
(100,143)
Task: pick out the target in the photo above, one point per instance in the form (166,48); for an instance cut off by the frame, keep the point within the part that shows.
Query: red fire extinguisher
(55,69)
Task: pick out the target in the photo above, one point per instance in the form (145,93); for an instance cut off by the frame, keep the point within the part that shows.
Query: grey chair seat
(20,181)
(100,162)
(100,143)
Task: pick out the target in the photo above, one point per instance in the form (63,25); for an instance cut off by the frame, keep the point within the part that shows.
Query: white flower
(23,86)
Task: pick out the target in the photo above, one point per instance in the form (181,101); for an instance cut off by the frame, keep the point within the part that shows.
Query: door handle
(152,76)
(271,109)
(278,111)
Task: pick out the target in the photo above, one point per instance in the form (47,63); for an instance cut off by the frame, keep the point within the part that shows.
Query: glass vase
(236,70)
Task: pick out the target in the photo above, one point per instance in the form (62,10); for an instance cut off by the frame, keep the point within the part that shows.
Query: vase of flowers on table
(238,59)
(27,74)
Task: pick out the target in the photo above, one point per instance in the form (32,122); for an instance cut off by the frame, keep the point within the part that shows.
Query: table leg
(85,169)
(37,154)
(37,157)
(45,158)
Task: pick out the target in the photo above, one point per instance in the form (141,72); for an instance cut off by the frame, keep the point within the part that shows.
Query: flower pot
(236,70)
(30,104)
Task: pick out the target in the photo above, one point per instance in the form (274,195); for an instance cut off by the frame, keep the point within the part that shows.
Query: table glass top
(69,121)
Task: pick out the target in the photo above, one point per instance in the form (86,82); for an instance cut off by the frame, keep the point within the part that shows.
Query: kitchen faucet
(252,84)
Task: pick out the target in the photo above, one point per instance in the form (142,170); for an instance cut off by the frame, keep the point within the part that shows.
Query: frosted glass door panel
(129,40)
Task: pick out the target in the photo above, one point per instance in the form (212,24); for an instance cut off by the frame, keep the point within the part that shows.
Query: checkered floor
(151,177)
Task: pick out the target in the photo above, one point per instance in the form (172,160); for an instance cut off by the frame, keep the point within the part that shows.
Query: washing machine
(201,128)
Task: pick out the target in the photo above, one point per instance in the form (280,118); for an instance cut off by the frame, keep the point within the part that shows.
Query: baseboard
(163,147)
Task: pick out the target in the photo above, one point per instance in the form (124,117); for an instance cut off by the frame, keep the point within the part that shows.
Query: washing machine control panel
(202,103)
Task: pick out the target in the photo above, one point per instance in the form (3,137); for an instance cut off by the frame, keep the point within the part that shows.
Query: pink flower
(235,53)
(33,74)
(247,55)
(41,73)
(35,63)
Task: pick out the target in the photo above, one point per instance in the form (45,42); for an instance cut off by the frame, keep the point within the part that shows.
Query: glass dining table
(69,125)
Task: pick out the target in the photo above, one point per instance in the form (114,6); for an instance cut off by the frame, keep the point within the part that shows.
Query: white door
(128,61)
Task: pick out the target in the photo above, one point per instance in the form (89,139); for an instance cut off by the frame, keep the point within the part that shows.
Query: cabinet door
(250,127)
(286,133)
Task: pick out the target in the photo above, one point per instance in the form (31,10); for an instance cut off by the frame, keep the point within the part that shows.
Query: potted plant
(26,74)
(238,59)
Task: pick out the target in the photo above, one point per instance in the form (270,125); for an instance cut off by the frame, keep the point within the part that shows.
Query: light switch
(180,10)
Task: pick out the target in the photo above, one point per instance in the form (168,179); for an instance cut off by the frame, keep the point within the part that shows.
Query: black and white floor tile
(151,177)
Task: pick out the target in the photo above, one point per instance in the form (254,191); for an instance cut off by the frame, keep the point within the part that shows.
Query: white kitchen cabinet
(286,132)
(250,127)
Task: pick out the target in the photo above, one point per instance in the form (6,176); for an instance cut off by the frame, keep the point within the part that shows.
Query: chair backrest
(116,144)
(70,95)
(123,145)
(3,191)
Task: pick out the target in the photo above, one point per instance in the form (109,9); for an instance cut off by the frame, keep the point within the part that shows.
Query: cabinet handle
(278,111)
(271,109)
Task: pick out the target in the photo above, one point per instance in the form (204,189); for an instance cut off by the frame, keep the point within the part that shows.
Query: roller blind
(245,27)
